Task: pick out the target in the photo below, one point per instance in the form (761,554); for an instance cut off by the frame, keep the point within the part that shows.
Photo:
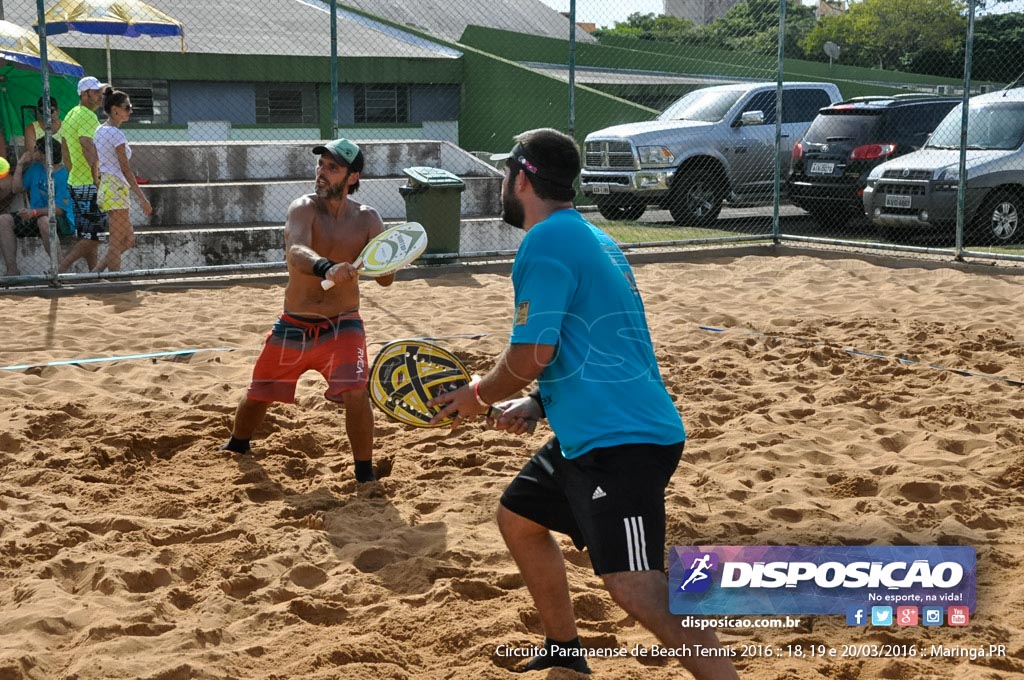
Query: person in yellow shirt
(84,173)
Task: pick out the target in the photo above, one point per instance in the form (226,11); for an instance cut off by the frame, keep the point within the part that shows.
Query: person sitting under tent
(30,175)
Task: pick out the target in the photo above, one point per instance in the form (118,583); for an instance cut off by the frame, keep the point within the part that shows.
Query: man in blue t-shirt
(580,330)
(34,220)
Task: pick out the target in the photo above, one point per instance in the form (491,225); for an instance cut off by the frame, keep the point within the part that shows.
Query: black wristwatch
(535,395)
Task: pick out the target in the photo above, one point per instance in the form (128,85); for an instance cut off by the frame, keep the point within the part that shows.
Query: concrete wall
(224,204)
(221,131)
(177,249)
(245,203)
(240,161)
(211,184)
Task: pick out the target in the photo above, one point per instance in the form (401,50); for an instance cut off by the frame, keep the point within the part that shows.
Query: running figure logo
(697,577)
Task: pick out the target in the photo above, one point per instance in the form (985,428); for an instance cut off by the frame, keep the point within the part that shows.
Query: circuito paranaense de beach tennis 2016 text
(788,651)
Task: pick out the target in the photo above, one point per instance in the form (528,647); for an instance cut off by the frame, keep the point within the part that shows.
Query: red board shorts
(335,347)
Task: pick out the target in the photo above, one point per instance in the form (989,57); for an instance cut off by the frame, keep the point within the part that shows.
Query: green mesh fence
(676,106)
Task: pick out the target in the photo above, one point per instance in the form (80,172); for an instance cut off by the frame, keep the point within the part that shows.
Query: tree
(998,47)
(750,26)
(891,33)
(754,26)
(653,27)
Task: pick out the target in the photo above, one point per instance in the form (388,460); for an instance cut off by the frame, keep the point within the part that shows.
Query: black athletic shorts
(610,501)
(90,221)
(30,227)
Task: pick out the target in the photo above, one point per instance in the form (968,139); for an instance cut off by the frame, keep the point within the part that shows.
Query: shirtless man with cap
(321,330)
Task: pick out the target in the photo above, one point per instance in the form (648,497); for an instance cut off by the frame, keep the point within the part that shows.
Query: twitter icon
(881,616)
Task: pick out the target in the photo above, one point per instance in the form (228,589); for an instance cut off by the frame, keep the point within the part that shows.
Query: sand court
(131,548)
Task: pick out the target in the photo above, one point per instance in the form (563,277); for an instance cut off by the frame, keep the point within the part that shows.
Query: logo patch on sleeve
(523,313)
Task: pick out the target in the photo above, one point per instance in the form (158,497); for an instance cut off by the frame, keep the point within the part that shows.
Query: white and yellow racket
(389,251)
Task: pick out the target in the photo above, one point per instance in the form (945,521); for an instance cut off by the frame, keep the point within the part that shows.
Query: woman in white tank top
(117,180)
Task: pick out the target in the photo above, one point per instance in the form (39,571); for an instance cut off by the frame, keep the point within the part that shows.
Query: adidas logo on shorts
(598,493)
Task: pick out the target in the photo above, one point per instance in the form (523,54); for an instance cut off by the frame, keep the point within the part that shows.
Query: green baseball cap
(341,150)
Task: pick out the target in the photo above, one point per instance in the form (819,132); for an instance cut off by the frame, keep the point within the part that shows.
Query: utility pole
(572,68)
(334,69)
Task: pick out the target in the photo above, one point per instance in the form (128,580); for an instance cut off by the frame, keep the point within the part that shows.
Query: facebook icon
(855,616)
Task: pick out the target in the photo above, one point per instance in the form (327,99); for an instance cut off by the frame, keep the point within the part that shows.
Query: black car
(831,163)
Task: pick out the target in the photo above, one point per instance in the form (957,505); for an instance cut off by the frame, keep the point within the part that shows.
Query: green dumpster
(433,197)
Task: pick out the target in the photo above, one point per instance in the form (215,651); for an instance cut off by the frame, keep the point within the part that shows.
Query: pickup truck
(712,144)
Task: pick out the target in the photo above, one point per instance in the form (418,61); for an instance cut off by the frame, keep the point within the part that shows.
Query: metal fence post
(961,195)
(572,68)
(51,210)
(777,179)
(334,68)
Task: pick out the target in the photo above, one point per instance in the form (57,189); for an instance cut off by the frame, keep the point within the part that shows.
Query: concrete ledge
(243,183)
(179,248)
(222,204)
(243,203)
(199,162)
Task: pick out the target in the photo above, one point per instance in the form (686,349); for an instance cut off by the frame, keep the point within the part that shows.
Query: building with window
(831,8)
(700,12)
(263,71)
(265,74)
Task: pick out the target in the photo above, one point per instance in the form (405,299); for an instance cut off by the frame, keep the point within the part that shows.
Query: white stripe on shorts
(636,543)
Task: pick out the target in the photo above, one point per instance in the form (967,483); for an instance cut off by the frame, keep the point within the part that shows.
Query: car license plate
(599,189)
(897,201)
(822,168)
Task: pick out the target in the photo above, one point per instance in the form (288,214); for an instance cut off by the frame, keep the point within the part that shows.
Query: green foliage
(892,33)
(759,16)
(750,26)
(915,36)
(653,27)
(998,47)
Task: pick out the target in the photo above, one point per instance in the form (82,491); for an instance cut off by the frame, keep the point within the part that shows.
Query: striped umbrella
(129,18)
(21,46)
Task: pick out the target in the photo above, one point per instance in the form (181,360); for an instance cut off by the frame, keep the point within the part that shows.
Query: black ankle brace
(364,471)
(237,445)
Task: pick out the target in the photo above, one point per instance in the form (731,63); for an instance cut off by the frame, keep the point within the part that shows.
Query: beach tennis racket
(389,251)
(406,374)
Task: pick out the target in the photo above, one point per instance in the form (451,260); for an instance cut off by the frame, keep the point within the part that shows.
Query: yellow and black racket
(406,374)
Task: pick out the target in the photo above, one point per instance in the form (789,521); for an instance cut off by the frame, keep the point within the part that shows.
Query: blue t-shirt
(574,289)
(34,181)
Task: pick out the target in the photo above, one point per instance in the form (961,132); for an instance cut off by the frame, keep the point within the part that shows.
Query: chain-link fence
(701,121)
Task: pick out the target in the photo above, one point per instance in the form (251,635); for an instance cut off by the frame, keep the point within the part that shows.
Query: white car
(919,190)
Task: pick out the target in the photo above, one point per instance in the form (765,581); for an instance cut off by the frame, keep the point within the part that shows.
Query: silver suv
(919,190)
(712,144)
